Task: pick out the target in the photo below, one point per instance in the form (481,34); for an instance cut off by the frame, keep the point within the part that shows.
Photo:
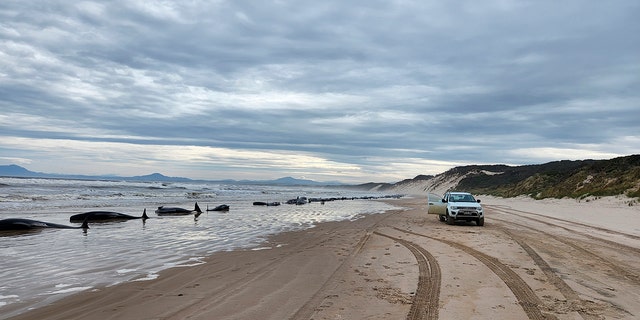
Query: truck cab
(456,206)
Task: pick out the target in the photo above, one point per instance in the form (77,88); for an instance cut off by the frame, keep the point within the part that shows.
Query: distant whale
(222,207)
(262,203)
(174,211)
(105,216)
(298,201)
(19,224)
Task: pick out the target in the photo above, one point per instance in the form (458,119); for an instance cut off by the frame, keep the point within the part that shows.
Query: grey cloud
(467,82)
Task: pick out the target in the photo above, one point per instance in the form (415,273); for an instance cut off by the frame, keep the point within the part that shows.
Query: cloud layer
(354,91)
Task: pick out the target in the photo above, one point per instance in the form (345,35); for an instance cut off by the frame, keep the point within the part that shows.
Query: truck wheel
(442,218)
(480,222)
(450,219)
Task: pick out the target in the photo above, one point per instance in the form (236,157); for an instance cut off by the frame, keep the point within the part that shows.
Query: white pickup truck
(456,206)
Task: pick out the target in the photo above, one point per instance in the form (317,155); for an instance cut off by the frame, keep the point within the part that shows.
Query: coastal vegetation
(578,179)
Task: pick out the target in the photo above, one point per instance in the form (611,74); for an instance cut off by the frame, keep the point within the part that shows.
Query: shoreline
(45,266)
(371,268)
(234,264)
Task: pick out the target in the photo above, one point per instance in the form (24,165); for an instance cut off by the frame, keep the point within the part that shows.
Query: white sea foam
(67,290)
(150,276)
(110,253)
(261,248)
(7,299)
(125,271)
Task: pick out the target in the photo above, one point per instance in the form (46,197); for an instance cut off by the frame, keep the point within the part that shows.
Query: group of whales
(22,224)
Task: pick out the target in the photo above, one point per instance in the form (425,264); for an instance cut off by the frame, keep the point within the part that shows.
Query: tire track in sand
(616,267)
(512,211)
(524,294)
(562,286)
(425,302)
(308,309)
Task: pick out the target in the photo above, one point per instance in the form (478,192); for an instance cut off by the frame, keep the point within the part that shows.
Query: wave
(116,252)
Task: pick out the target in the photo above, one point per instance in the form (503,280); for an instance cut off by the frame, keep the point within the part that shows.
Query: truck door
(435,204)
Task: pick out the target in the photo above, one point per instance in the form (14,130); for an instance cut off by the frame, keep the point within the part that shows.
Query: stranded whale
(19,224)
(174,211)
(268,204)
(222,207)
(104,216)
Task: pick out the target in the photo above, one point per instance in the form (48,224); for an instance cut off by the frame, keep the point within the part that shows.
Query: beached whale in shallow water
(298,201)
(222,207)
(269,204)
(105,216)
(19,224)
(174,211)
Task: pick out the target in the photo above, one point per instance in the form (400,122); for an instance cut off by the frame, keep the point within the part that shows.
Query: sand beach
(549,259)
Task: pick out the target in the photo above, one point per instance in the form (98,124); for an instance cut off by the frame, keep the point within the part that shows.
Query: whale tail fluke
(144,214)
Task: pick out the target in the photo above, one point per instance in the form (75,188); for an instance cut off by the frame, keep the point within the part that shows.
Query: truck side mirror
(444,201)
(478,200)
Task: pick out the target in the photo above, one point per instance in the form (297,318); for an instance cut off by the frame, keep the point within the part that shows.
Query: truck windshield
(461,198)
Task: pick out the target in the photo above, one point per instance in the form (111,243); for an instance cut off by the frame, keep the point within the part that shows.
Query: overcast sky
(353,91)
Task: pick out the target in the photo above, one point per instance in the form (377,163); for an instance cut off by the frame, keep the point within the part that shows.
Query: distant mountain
(301,182)
(285,181)
(157,177)
(557,179)
(18,171)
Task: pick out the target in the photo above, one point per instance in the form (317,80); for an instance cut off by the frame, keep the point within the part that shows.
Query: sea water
(37,268)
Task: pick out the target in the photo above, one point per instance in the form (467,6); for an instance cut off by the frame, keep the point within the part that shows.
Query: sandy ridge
(525,295)
(630,276)
(310,306)
(425,301)
(562,286)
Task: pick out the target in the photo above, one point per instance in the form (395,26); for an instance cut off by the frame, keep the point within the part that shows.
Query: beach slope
(531,260)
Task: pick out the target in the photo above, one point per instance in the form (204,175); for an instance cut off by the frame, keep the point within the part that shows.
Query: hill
(157,177)
(20,172)
(558,179)
(16,171)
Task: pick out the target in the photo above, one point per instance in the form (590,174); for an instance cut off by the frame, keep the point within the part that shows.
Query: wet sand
(403,264)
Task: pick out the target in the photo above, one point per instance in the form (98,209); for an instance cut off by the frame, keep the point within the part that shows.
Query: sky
(351,91)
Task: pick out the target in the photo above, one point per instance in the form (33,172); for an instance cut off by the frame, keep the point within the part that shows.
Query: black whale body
(298,201)
(20,224)
(222,207)
(105,216)
(175,211)
(269,204)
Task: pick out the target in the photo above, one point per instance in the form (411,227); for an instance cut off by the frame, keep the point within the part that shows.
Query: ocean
(38,268)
